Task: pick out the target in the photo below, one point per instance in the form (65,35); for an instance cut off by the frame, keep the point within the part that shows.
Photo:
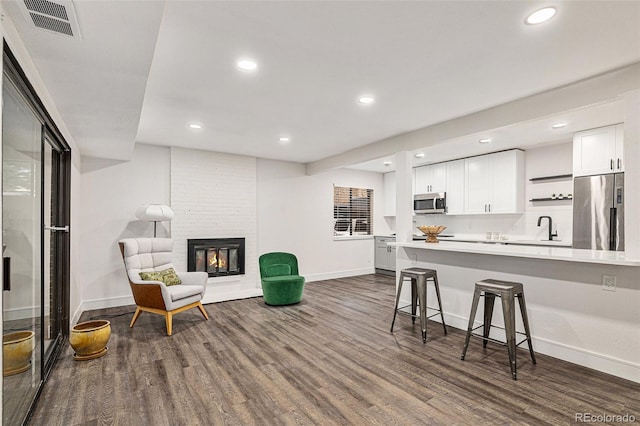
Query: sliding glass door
(21,232)
(35,247)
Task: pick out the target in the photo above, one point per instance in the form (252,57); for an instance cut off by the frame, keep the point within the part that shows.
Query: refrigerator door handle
(612,228)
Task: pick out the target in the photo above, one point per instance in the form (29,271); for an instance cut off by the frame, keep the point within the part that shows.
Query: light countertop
(527,251)
(520,241)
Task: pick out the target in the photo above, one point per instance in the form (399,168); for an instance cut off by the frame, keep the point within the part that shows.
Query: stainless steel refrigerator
(598,212)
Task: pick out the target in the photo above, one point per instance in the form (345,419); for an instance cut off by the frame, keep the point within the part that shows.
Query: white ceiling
(524,135)
(144,69)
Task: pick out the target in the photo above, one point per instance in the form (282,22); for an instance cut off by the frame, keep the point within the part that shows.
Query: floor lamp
(155,213)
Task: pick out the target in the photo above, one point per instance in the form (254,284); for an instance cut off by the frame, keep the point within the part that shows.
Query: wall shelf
(556,177)
(551,199)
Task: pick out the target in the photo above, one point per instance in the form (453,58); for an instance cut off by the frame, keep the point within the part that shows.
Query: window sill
(352,237)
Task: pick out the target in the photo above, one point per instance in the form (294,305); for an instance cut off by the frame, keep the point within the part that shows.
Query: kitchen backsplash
(520,226)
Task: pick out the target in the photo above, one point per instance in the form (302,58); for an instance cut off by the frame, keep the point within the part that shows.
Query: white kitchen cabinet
(385,256)
(494,183)
(476,184)
(455,187)
(431,178)
(389,180)
(598,151)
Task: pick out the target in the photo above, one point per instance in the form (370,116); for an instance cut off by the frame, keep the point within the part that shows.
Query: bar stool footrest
(417,315)
(491,339)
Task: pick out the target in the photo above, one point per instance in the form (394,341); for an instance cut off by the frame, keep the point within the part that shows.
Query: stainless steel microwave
(433,202)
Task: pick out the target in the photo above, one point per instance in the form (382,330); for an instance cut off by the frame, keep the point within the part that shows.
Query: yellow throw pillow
(169,276)
(151,276)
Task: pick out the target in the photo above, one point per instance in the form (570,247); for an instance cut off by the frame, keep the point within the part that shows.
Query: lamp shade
(154,213)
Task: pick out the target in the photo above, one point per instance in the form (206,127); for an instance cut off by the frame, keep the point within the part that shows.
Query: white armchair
(151,255)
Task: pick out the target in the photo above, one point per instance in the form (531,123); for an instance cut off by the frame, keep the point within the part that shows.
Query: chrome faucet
(555,234)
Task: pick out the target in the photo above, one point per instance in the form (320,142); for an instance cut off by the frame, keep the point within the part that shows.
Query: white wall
(111,192)
(295,214)
(273,204)
(632,173)
(548,160)
(213,195)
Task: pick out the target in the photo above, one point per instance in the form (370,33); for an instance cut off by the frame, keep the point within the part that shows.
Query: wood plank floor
(328,360)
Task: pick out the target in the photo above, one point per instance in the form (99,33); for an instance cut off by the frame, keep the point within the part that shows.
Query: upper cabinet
(494,183)
(455,187)
(598,151)
(431,178)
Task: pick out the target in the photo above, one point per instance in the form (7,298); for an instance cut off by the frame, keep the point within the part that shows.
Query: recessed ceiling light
(285,139)
(387,163)
(420,155)
(366,99)
(195,126)
(247,65)
(485,140)
(540,16)
(559,125)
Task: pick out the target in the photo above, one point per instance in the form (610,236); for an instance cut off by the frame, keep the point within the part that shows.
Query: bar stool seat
(419,278)
(507,291)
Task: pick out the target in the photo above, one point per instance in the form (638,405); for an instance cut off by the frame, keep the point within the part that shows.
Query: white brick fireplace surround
(213,195)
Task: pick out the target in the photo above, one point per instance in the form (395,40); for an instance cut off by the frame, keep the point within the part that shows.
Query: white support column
(632,173)
(404,197)
(404,213)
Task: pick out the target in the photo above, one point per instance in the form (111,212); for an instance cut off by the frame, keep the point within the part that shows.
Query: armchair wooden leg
(135,316)
(204,313)
(169,320)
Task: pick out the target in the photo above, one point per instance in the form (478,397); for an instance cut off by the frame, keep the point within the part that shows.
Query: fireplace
(219,257)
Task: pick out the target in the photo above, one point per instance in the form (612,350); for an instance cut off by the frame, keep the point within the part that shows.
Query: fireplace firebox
(218,257)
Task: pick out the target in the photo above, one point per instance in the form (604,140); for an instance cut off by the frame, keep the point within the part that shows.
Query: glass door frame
(60,217)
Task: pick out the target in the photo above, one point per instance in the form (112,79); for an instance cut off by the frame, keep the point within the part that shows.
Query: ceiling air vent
(58,16)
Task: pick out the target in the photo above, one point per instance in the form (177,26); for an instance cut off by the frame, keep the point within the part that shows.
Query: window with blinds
(352,211)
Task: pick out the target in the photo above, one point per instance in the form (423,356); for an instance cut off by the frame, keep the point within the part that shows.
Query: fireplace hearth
(218,257)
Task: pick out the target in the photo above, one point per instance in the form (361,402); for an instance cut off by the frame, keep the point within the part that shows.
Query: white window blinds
(352,211)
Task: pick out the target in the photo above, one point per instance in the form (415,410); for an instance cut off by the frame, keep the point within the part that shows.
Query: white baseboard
(76,316)
(607,364)
(600,362)
(339,274)
(112,302)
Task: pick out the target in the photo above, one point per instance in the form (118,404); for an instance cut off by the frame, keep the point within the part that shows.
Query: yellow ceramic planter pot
(89,339)
(17,349)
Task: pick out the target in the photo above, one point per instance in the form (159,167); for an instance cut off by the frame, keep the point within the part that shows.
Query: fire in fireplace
(216,256)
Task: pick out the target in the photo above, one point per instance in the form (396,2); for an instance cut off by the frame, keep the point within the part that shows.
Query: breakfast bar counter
(533,252)
(583,305)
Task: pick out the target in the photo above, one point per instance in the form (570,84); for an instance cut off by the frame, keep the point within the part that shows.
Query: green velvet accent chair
(281,284)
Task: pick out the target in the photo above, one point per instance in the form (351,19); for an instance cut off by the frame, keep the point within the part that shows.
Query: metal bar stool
(419,277)
(508,292)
